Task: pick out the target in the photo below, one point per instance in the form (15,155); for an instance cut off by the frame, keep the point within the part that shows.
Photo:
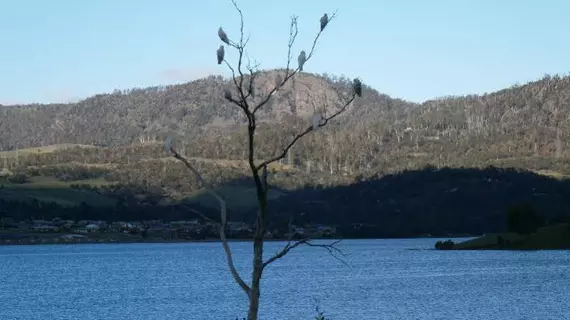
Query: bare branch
(240,48)
(241,20)
(253,73)
(223,215)
(331,248)
(283,252)
(240,103)
(287,247)
(307,131)
(293,31)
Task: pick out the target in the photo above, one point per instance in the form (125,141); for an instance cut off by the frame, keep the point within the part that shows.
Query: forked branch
(223,217)
(331,248)
(288,74)
(307,131)
(238,75)
(240,47)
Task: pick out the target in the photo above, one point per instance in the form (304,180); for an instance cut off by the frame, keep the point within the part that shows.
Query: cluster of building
(70,230)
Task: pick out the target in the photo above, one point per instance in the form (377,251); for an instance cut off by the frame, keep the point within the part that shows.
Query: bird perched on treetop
(324,21)
(357,87)
(220,54)
(223,36)
(302,58)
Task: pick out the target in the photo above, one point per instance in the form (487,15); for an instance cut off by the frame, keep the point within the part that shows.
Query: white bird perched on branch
(223,36)
(168,143)
(324,21)
(316,121)
(357,87)
(221,54)
(278,81)
(301,60)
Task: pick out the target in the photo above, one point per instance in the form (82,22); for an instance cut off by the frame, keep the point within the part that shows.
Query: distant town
(91,231)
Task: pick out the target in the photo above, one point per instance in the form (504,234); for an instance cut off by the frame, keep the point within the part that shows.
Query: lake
(384,279)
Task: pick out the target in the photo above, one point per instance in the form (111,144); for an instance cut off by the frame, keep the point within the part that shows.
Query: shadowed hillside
(412,203)
(429,201)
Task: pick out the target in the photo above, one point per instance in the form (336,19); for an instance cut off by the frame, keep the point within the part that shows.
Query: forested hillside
(519,122)
(524,127)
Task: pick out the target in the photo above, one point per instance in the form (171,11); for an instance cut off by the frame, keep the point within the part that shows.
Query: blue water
(384,279)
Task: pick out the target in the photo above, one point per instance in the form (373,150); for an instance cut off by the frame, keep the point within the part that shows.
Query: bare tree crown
(243,77)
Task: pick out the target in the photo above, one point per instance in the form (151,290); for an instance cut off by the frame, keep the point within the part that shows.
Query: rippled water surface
(384,279)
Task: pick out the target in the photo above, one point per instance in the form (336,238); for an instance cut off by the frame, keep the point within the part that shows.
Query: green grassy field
(45,189)
(550,237)
(48,189)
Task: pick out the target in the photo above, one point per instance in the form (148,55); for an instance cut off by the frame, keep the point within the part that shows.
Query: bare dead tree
(250,102)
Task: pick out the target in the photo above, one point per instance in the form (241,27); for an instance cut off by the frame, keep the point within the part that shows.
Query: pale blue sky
(414,49)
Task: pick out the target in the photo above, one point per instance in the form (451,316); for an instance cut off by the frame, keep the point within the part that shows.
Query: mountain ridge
(526,125)
(185,108)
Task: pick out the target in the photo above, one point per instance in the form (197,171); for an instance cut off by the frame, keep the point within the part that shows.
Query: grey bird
(278,81)
(221,54)
(223,36)
(301,60)
(227,94)
(316,121)
(324,21)
(357,87)
(168,143)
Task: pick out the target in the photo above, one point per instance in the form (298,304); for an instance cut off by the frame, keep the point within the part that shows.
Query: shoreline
(35,242)
(60,241)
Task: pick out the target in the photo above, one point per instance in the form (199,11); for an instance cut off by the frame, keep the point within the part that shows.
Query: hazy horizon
(226,77)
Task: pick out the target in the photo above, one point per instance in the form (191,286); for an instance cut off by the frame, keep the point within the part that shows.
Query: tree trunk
(256,276)
(255,291)
(261,190)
